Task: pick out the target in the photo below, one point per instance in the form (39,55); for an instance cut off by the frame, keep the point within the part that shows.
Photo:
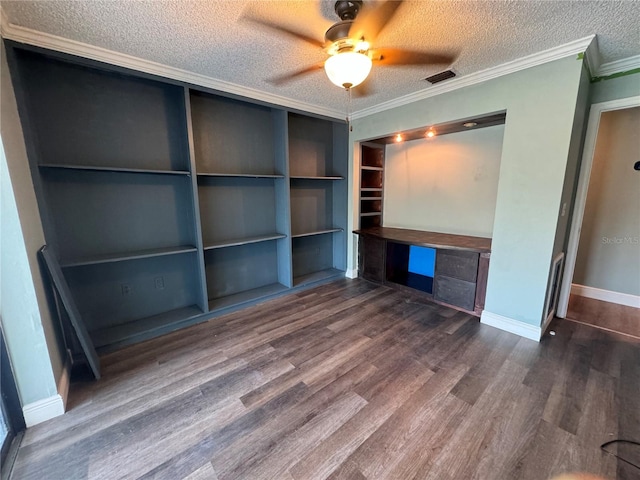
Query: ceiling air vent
(439,77)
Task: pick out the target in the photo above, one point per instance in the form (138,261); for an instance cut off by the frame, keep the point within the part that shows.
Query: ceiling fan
(349,44)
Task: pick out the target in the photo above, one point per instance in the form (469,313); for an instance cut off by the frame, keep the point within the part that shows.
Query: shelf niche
(105,213)
(116,120)
(232,137)
(244,273)
(318,195)
(111,295)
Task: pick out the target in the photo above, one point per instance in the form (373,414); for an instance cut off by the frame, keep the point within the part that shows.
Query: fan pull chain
(349,108)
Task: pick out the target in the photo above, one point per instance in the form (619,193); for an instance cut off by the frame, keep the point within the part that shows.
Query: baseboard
(351,273)
(606,295)
(510,325)
(43,410)
(63,383)
(546,323)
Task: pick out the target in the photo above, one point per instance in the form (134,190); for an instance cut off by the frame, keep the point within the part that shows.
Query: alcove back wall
(446,184)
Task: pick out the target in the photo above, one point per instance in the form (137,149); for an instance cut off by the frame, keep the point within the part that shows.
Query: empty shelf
(316,232)
(371,214)
(310,177)
(246,297)
(241,175)
(243,241)
(113,169)
(315,277)
(122,257)
(137,330)
(364,167)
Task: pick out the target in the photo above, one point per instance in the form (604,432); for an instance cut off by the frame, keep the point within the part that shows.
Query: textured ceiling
(210,37)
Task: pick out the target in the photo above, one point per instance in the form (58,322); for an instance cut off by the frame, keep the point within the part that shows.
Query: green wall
(33,340)
(541,104)
(615,88)
(572,171)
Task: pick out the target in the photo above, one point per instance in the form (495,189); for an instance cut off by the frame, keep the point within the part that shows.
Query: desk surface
(429,239)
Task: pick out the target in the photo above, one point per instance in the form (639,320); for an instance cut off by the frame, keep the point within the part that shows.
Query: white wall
(446,184)
(609,250)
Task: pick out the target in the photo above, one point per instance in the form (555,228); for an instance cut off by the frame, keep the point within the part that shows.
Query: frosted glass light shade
(347,69)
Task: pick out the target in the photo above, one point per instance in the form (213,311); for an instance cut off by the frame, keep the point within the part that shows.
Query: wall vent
(439,77)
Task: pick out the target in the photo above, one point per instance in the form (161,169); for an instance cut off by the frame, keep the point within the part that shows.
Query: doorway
(11,420)
(601,285)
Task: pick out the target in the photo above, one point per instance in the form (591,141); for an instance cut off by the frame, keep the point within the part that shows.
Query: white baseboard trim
(510,325)
(606,295)
(351,273)
(43,410)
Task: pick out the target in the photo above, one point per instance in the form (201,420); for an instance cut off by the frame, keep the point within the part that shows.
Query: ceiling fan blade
(399,56)
(286,30)
(287,77)
(371,21)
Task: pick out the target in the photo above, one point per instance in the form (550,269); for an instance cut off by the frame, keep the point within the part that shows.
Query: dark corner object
(636,166)
(61,291)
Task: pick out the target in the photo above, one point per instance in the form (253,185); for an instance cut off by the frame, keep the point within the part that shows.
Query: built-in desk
(458,279)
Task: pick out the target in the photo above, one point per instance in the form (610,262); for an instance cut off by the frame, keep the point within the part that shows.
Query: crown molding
(53,42)
(592,57)
(619,66)
(4,21)
(572,48)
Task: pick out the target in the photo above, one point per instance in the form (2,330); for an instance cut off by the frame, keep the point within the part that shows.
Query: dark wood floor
(610,316)
(348,380)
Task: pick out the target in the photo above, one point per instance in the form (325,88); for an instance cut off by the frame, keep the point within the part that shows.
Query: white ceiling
(210,38)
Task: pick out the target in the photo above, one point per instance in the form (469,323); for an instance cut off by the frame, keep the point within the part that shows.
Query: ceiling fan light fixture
(348,69)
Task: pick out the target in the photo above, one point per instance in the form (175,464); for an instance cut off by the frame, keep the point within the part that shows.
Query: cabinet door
(454,291)
(457,264)
(371,258)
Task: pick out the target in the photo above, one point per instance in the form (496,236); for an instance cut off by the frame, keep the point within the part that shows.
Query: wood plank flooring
(348,381)
(610,316)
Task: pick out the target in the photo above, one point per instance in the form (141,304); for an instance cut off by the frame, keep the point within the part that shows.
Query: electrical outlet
(126,289)
(159,282)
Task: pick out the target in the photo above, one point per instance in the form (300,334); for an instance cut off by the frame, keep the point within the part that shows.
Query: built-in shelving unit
(318,194)
(371,184)
(112,177)
(166,204)
(241,169)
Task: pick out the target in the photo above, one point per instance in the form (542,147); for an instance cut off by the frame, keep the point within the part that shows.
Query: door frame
(10,405)
(593,125)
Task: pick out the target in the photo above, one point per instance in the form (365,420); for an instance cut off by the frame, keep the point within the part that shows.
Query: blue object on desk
(422,260)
